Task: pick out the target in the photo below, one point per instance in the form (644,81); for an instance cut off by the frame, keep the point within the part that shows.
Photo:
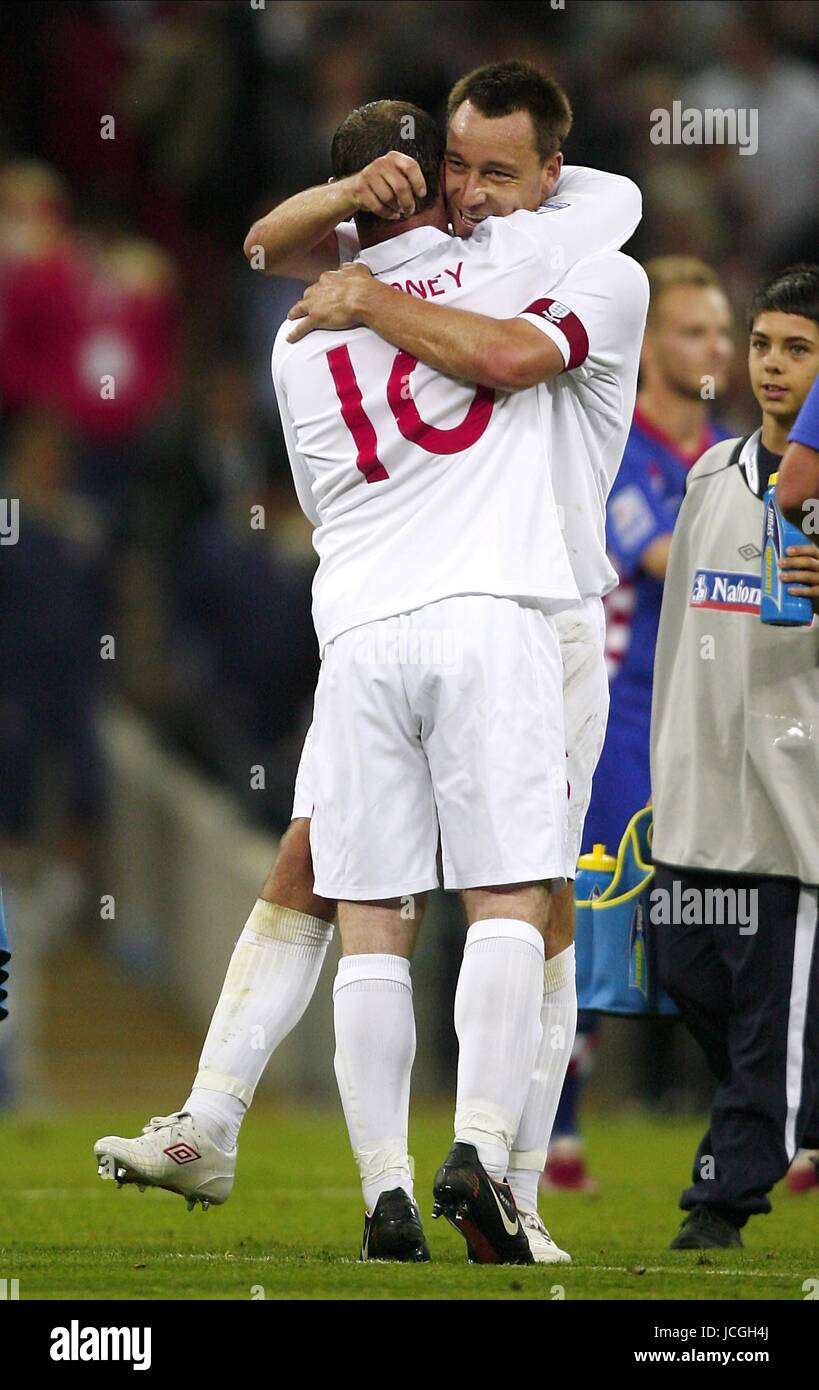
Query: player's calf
(290,880)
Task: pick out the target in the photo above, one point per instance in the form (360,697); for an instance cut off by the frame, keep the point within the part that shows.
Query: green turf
(293,1224)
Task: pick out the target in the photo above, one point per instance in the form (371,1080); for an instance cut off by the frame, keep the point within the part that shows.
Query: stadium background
(135,830)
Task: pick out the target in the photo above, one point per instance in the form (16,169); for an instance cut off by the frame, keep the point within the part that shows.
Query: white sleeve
(597,312)
(348,242)
(299,469)
(589,212)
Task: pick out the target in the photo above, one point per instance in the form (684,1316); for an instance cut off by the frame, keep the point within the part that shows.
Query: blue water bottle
(776,605)
(594,874)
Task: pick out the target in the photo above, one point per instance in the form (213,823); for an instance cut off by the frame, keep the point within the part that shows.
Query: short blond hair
(667,272)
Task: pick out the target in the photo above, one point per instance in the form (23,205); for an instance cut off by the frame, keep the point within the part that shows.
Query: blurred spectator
(52,621)
(40,269)
(210,452)
(243,647)
(688,345)
(88,322)
(684,364)
(778,183)
(321,70)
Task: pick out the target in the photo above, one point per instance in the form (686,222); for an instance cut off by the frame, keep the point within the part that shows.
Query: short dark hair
(373,130)
(498,89)
(794,290)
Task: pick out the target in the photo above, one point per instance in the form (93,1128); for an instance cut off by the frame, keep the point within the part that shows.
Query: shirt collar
(660,437)
(398,250)
(748,462)
(757,478)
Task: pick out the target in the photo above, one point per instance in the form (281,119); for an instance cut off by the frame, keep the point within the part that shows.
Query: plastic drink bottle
(776,605)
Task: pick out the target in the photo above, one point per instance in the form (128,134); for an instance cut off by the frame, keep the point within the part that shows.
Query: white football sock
(270,980)
(558,1018)
(497,1019)
(220,1115)
(375,1049)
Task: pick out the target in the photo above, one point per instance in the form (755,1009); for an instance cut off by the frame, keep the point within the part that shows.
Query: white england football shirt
(587,410)
(422,487)
(600,211)
(596,315)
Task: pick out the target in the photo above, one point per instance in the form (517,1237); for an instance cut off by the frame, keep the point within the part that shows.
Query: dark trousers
(751,1000)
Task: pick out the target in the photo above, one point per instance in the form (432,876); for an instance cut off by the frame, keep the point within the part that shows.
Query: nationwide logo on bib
(725,589)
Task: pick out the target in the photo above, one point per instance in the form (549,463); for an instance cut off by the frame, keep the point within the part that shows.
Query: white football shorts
(303,799)
(446,720)
(582,634)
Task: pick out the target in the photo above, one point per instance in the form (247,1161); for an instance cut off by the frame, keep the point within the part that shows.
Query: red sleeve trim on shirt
(561,317)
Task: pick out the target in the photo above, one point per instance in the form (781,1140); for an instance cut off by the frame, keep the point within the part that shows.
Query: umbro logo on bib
(728,590)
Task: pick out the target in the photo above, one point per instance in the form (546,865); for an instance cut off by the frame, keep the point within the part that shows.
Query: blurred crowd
(161,552)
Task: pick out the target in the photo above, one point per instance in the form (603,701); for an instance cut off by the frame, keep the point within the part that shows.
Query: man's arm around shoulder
(297,239)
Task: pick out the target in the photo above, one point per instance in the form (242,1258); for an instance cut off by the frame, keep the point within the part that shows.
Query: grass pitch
(292,1228)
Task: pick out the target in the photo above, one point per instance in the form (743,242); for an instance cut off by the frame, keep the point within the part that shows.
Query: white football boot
(542,1246)
(174,1153)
